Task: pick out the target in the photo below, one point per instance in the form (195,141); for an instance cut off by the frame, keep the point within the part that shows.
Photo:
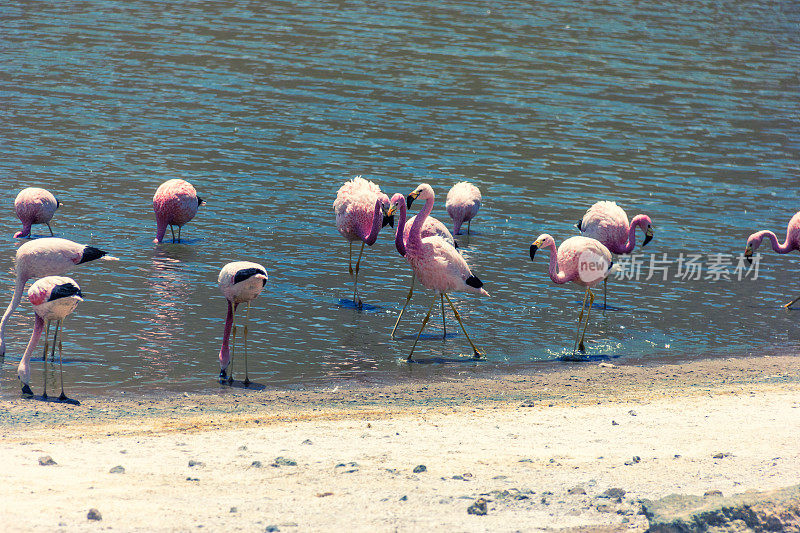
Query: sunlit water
(686,111)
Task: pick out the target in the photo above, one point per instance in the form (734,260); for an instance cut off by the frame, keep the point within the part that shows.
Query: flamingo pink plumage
(608,223)
(240,282)
(581,260)
(34,206)
(791,243)
(53,298)
(463,202)
(430,227)
(49,256)
(437,264)
(175,203)
(360,209)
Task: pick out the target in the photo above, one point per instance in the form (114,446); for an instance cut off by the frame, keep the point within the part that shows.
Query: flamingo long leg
(408,299)
(51,229)
(63,396)
(179,233)
(233,346)
(52,355)
(46,341)
(591,303)
(789,305)
(244,334)
(580,319)
(444,326)
(424,321)
(172,229)
(356,299)
(475,352)
(350,260)
(605,292)
(468,224)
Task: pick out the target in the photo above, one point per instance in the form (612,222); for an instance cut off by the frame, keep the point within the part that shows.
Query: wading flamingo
(581,260)
(240,282)
(608,223)
(463,202)
(49,256)
(430,227)
(360,209)
(792,242)
(53,298)
(437,264)
(175,203)
(34,206)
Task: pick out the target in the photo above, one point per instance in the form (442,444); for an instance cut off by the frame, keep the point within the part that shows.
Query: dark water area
(685,111)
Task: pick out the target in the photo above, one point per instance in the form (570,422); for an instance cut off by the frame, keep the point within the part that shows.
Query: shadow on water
(241,385)
(586,358)
(344,303)
(445,360)
(52,399)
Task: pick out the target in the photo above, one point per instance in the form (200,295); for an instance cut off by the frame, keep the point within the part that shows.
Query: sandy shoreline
(540,448)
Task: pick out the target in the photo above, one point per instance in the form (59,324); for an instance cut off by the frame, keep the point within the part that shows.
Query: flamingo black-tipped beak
(59,203)
(200,201)
(410,199)
(388,220)
(534,248)
(648,236)
(748,254)
(578,225)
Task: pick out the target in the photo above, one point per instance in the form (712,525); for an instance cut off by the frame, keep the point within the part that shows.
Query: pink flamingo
(49,256)
(53,298)
(608,223)
(35,206)
(792,242)
(240,282)
(175,203)
(360,209)
(437,264)
(463,202)
(430,227)
(581,260)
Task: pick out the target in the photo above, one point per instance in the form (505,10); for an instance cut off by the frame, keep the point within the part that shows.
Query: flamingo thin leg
(591,302)
(475,352)
(424,321)
(63,396)
(51,229)
(233,346)
(356,299)
(244,334)
(789,305)
(52,355)
(605,292)
(44,356)
(179,233)
(408,299)
(172,229)
(444,326)
(580,320)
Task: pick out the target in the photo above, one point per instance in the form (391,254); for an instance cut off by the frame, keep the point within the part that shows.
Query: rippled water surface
(686,111)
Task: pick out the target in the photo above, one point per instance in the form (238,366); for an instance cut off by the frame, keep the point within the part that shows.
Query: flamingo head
(423,192)
(59,203)
(543,241)
(753,242)
(395,202)
(388,218)
(644,222)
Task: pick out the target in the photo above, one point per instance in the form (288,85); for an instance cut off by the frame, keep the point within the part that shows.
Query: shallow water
(684,111)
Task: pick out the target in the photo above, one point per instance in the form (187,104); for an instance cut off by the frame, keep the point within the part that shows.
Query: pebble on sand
(46,460)
(283,461)
(94,514)
(478,507)
(420,468)
(119,469)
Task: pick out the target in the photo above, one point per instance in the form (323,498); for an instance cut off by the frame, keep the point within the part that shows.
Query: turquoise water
(686,111)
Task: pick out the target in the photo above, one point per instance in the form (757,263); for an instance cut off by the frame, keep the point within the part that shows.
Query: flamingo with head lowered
(34,206)
(608,223)
(49,256)
(791,243)
(240,282)
(463,202)
(437,264)
(581,260)
(53,298)
(360,209)
(430,228)
(175,203)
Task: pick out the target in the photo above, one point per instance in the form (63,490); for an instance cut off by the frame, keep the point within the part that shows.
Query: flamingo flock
(361,211)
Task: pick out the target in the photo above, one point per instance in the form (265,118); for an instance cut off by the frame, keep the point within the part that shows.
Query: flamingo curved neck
(19,288)
(377,222)
(784,248)
(415,235)
(399,243)
(637,222)
(556,274)
(225,352)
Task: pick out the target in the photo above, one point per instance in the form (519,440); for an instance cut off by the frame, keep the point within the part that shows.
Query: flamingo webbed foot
(246,382)
(26,391)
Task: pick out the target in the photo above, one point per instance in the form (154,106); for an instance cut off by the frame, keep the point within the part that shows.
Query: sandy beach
(576,447)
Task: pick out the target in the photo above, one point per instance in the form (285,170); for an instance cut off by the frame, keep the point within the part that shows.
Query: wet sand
(541,449)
